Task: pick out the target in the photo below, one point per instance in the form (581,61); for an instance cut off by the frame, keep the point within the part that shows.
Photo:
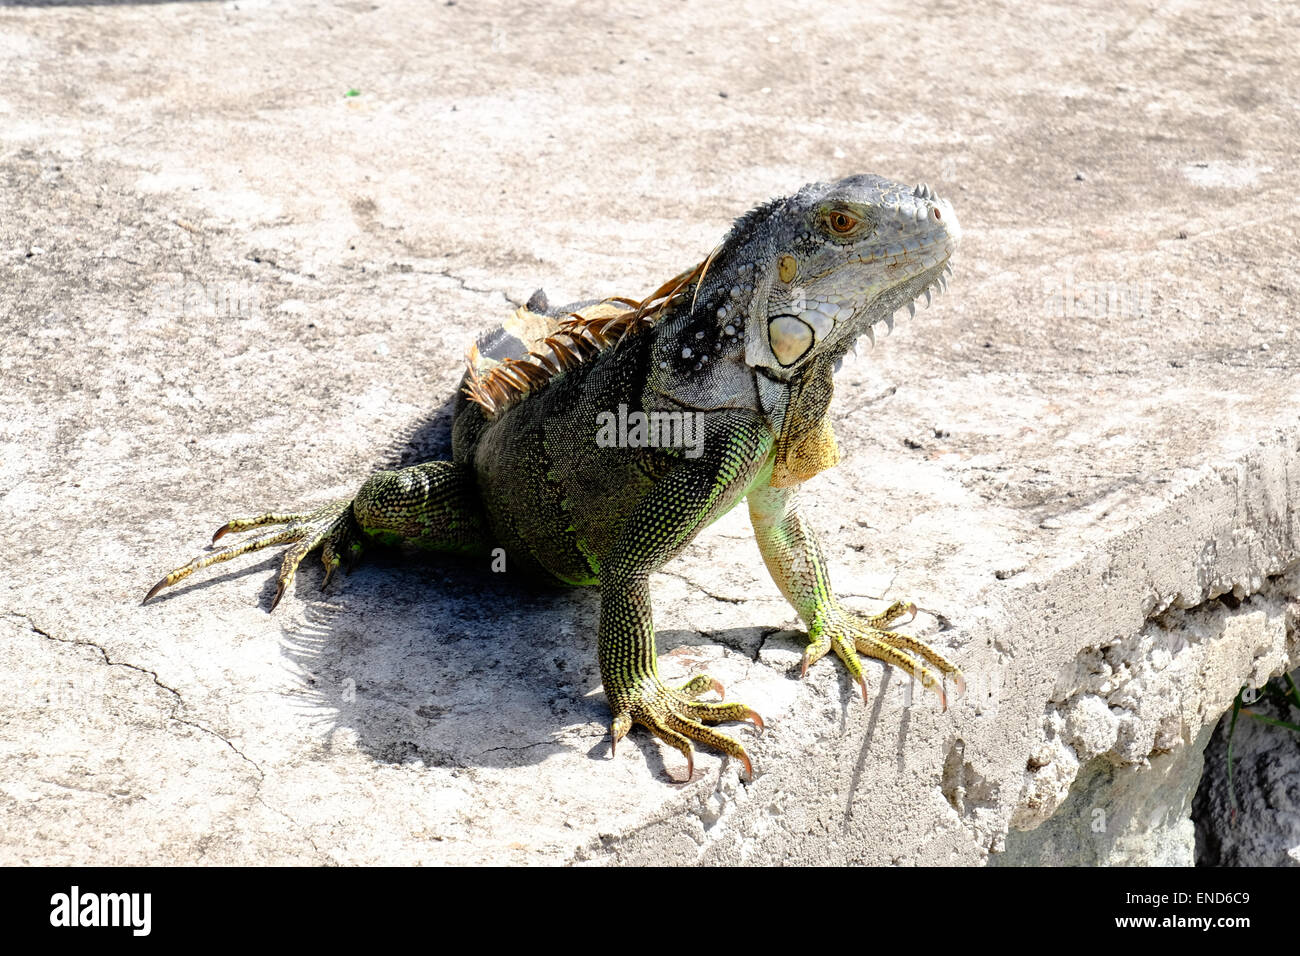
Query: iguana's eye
(840,222)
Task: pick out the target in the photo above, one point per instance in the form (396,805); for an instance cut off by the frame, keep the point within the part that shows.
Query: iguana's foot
(331,528)
(850,634)
(433,505)
(677,718)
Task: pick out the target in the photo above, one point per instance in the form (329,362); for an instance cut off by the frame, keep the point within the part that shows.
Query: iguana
(733,360)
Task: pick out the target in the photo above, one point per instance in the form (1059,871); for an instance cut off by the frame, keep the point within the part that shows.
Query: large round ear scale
(790,338)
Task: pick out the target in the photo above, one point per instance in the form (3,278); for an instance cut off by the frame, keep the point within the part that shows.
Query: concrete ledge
(225,285)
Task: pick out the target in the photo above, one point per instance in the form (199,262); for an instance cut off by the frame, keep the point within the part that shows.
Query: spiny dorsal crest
(569,342)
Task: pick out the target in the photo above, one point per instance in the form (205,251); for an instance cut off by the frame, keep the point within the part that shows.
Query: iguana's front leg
(685,500)
(433,505)
(794,559)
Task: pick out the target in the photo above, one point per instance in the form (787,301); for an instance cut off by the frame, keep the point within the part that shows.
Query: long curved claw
(618,729)
(156,588)
(336,539)
(893,615)
(749,767)
(672,735)
(830,634)
(817,647)
(909,652)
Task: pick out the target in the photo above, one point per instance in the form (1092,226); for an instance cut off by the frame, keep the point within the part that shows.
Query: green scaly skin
(749,349)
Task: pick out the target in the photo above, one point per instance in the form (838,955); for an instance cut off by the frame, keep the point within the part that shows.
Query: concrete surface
(225,286)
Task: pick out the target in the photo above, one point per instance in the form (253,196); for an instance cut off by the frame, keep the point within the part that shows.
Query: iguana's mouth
(909,251)
(928,283)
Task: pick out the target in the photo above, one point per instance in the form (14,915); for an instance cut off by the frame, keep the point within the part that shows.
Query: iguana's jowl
(746,342)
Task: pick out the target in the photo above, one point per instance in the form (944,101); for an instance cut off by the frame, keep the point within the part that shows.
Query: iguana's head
(818,269)
(794,284)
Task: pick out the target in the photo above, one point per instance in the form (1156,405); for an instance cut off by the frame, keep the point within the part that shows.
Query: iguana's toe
(236,525)
(330,528)
(893,615)
(828,638)
(676,718)
(701,684)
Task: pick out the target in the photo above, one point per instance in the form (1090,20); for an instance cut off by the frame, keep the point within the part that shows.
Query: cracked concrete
(225,287)
(180,701)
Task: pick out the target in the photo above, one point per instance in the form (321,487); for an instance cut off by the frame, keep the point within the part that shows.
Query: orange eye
(841,223)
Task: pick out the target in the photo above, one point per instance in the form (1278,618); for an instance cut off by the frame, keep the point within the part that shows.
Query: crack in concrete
(540,743)
(766,636)
(464,284)
(699,587)
(305,832)
(113,258)
(68,786)
(152,675)
(874,399)
(179,702)
(261,260)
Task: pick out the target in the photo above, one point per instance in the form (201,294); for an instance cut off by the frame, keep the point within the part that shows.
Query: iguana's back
(555,480)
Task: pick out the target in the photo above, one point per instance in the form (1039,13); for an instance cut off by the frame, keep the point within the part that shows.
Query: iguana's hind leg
(794,559)
(434,506)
